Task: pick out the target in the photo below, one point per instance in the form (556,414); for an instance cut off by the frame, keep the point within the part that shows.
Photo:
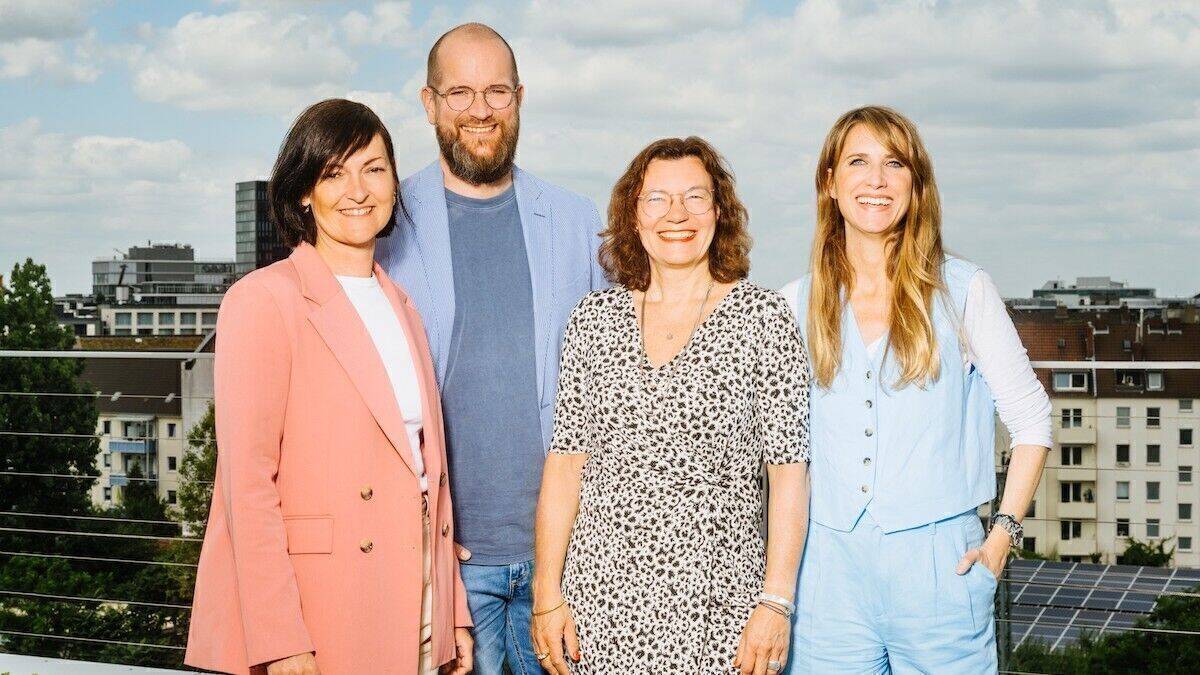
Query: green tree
(53,436)
(1154,649)
(1146,554)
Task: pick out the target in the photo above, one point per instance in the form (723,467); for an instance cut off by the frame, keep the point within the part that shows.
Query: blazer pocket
(309,534)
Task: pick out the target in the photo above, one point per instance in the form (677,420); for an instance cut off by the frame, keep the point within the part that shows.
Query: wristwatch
(1016,533)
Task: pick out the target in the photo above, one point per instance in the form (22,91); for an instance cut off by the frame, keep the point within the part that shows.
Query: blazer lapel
(338,324)
(431,233)
(418,347)
(539,243)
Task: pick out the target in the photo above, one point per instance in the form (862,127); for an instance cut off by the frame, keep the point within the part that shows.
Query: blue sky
(1065,133)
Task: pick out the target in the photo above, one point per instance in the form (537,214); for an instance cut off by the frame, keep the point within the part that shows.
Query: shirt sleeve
(572,433)
(994,347)
(781,387)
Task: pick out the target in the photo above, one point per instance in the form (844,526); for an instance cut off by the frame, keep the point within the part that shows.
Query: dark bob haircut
(325,133)
(622,255)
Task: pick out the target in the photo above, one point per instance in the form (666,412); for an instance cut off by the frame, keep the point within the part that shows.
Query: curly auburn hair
(622,255)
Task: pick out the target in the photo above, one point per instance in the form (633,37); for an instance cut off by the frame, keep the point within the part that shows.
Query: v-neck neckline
(641,342)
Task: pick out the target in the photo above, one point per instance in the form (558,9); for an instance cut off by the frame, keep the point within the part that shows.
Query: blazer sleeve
(252,373)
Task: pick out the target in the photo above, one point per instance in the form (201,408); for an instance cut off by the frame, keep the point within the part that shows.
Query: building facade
(161,274)
(1125,450)
(258,242)
(141,425)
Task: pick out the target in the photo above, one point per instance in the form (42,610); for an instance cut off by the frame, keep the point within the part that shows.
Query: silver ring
(774,665)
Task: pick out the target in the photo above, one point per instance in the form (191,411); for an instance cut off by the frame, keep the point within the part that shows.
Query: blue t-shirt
(490,397)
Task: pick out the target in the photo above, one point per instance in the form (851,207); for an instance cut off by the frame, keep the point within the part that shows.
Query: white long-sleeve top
(390,341)
(993,346)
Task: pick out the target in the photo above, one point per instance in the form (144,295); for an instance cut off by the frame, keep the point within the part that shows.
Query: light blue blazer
(561,240)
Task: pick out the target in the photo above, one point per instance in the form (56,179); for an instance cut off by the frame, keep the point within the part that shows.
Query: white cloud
(390,23)
(36,37)
(242,60)
(43,19)
(630,22)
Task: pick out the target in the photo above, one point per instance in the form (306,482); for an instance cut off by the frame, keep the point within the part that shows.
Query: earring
(308,208)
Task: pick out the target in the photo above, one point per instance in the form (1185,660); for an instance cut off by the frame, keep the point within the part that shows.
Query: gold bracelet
(547,611)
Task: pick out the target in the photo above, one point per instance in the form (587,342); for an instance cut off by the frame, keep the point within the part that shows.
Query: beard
(476,169)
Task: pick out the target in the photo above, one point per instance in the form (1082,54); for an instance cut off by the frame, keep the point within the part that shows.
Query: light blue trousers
(870,602)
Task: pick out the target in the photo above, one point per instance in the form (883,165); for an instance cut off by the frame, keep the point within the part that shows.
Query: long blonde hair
(915,255)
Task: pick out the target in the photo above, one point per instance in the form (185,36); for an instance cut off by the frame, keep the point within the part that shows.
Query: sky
(1064,133)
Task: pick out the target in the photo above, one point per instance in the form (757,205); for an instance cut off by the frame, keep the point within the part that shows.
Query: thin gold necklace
(671,336)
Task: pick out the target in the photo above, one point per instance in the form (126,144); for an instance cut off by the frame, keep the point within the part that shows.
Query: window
(1122,453)
(1072,455)
(170,430)
(1153,454)
(1154,381)
(166,319)
(107,426)
(1185,405)
(1185,474)
(1072,418)
(1122,417)
(1070,529)
(210,318)
(107,460)
(1071,492)
(170,496)
(187,318)
(1070,381)
(1153,417)
(1185,543)
(1031,512)
(108,494)
(1185,437)
(171,463)
(1153,488)
(1122,527)
(1029,544)
(145,319)
(1123,490)
(1152,527)
(124,319)
(1185,511)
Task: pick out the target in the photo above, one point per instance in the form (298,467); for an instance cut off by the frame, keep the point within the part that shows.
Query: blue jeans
(501,600)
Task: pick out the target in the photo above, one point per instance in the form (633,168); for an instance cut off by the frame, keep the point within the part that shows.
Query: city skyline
(1060,142)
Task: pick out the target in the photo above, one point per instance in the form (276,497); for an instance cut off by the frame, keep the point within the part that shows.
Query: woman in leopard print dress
(676,386)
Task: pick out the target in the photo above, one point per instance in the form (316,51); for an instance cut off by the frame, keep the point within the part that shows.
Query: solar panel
(1056,602)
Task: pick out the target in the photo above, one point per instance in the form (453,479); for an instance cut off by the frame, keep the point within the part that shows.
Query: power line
(94,559)
(101,394)
(114,535)
(94,640)
(72,598)
(69,517)
(85,354)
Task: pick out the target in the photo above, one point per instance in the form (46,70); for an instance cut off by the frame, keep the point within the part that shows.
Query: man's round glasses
(656,203)
(460,98)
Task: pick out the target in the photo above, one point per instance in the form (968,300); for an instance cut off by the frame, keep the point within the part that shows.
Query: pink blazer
(314,538)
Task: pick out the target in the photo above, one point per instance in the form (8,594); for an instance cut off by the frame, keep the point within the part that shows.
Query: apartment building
(140,419)
(1125,450)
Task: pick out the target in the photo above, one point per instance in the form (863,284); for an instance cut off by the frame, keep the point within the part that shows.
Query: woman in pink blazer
(329,546)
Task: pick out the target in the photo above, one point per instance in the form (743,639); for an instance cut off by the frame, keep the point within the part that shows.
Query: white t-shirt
(391,342)
(994,347)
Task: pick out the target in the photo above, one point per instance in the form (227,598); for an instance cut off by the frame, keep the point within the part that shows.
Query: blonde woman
(912,353)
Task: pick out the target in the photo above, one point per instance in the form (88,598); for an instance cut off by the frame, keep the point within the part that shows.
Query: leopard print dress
(666,559)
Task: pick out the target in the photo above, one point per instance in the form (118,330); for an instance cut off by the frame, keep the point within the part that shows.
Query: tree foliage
(1146,554)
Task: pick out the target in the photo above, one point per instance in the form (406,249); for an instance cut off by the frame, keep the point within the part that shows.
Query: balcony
(118,481)
(133,447)
(1076,510)
(1081,474)
(1082,546)
(1084,435)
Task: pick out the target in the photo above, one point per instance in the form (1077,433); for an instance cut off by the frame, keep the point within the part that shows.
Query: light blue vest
(908,456)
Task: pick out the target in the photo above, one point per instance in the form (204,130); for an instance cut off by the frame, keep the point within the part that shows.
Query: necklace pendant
(670,336)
